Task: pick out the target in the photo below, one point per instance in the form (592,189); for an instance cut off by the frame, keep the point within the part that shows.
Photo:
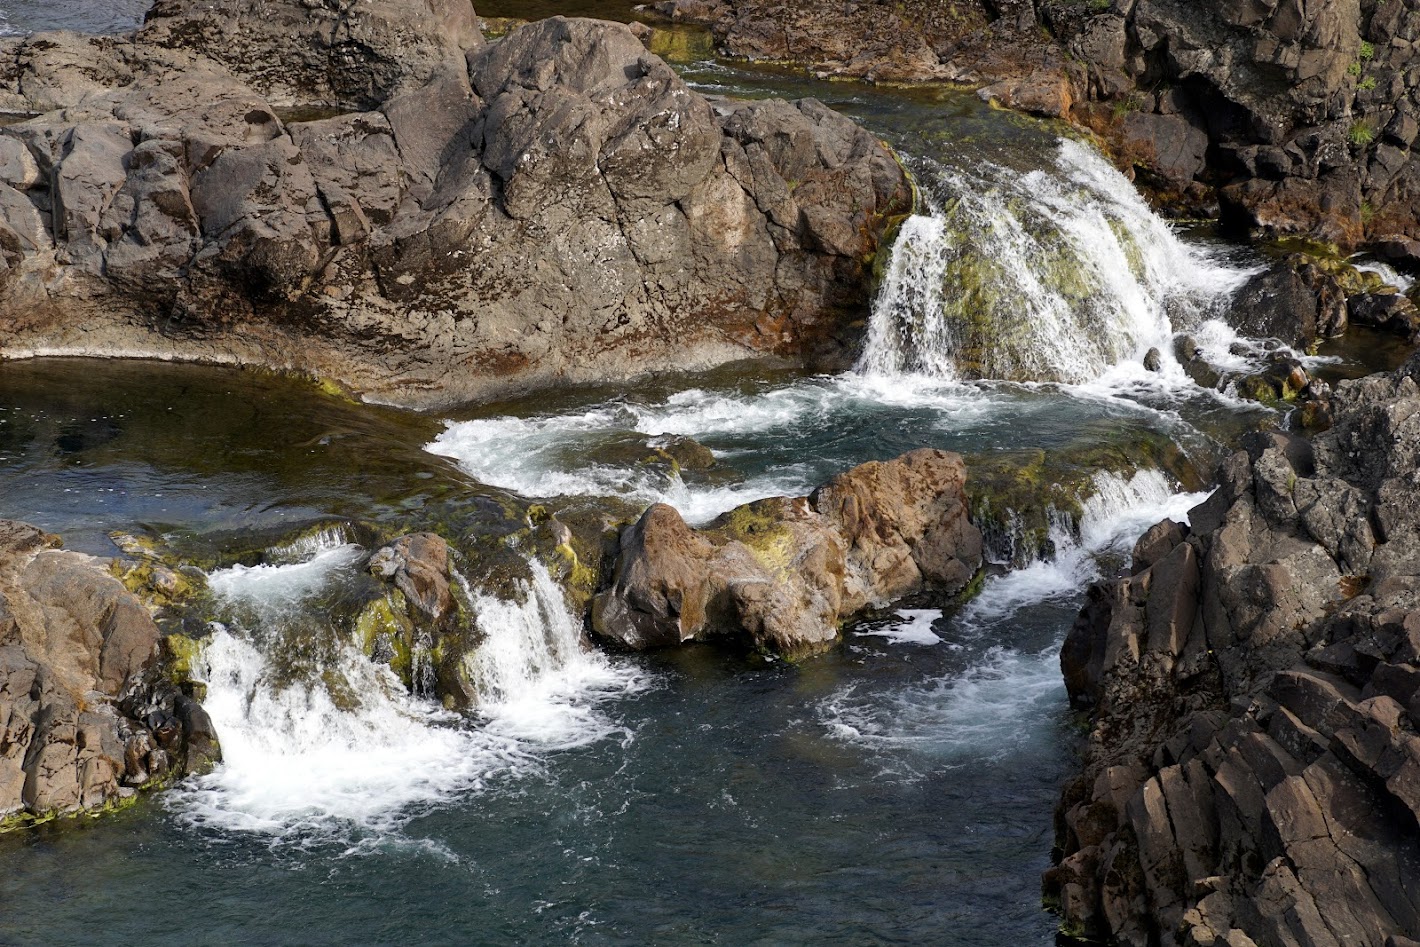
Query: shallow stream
(896,790)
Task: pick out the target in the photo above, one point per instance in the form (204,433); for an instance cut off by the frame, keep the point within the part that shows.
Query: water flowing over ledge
(1038,277)
(321,742)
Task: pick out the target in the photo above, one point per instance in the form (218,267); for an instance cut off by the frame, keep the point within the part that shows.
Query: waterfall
(1036,276)
(317,738)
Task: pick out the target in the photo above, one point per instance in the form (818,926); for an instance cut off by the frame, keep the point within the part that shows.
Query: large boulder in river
(554,207)
(86,719)
(784,574)
(1252,774)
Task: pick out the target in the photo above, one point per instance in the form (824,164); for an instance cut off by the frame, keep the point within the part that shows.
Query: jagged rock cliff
(1253,768)
(1292,118)
(371,194)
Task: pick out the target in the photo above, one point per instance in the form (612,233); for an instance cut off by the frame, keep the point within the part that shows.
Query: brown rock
(784,573)
(82,709)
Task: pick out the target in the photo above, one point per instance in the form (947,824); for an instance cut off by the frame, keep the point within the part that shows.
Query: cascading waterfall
(316,737)
(1037,276)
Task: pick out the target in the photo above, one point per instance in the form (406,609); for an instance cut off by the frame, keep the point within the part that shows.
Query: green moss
(760,528)
(384,628)
(181,654)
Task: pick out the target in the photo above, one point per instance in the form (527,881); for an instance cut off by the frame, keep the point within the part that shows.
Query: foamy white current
(1061,276)
(1000,699)
(348,748)
(557,455)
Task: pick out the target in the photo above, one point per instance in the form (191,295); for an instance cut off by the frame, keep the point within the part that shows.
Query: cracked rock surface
(86,720)
(1252,774)
(372,194)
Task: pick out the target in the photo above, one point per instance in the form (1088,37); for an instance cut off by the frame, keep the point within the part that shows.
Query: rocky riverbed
(414,647)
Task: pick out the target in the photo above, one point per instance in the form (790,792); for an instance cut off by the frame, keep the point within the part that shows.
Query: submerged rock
(554,207)
(784,574)
(87,716)
(1253,770)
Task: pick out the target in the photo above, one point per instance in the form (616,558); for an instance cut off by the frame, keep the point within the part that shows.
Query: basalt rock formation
(371,194)
(86,717)
(783,574)
(1293,118)
(1252,774)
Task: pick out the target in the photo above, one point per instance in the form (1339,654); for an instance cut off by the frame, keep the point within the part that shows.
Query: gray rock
(1252,773)
(557,207)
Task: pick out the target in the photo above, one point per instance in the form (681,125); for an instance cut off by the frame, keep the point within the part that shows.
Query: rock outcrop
(1252,774)
(86,719)
(554,207)
(1299,118)
(977,41)
(1293,118)
(783,574)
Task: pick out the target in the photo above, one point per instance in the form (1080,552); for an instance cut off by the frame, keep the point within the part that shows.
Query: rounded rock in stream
(784,573)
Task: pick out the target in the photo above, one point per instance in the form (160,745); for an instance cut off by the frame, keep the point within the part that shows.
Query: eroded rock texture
(1293,117)
(783,574)
(553,207)
(915,40)
(1253,767)
(85,719)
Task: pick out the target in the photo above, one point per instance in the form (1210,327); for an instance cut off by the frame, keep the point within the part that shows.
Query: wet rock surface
(960,40)
(783,574)
(374,200)
(1254,694)
(87,717)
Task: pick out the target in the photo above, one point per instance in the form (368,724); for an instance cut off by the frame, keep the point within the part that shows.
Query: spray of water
(1006,696)
(1037,277)
(339,748)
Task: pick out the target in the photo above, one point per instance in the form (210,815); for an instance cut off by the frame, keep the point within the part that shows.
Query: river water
(896,790)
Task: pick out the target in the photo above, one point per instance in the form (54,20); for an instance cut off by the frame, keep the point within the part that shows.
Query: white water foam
(307,759)
(1113,517)
(914,627)
(1385,271)
(1005,696)
(1064,276)
(548,456)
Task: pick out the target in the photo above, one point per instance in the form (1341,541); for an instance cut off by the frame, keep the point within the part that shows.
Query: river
(896,790)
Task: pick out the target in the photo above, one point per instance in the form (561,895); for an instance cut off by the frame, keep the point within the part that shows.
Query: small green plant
(1361,134)
(1368,213)
(1367,51)
(1367,84)
(1353,70)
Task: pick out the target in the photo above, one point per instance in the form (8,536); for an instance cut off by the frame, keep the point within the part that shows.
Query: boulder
(87,717)
(1251,769)
(783,574)
(383,208)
